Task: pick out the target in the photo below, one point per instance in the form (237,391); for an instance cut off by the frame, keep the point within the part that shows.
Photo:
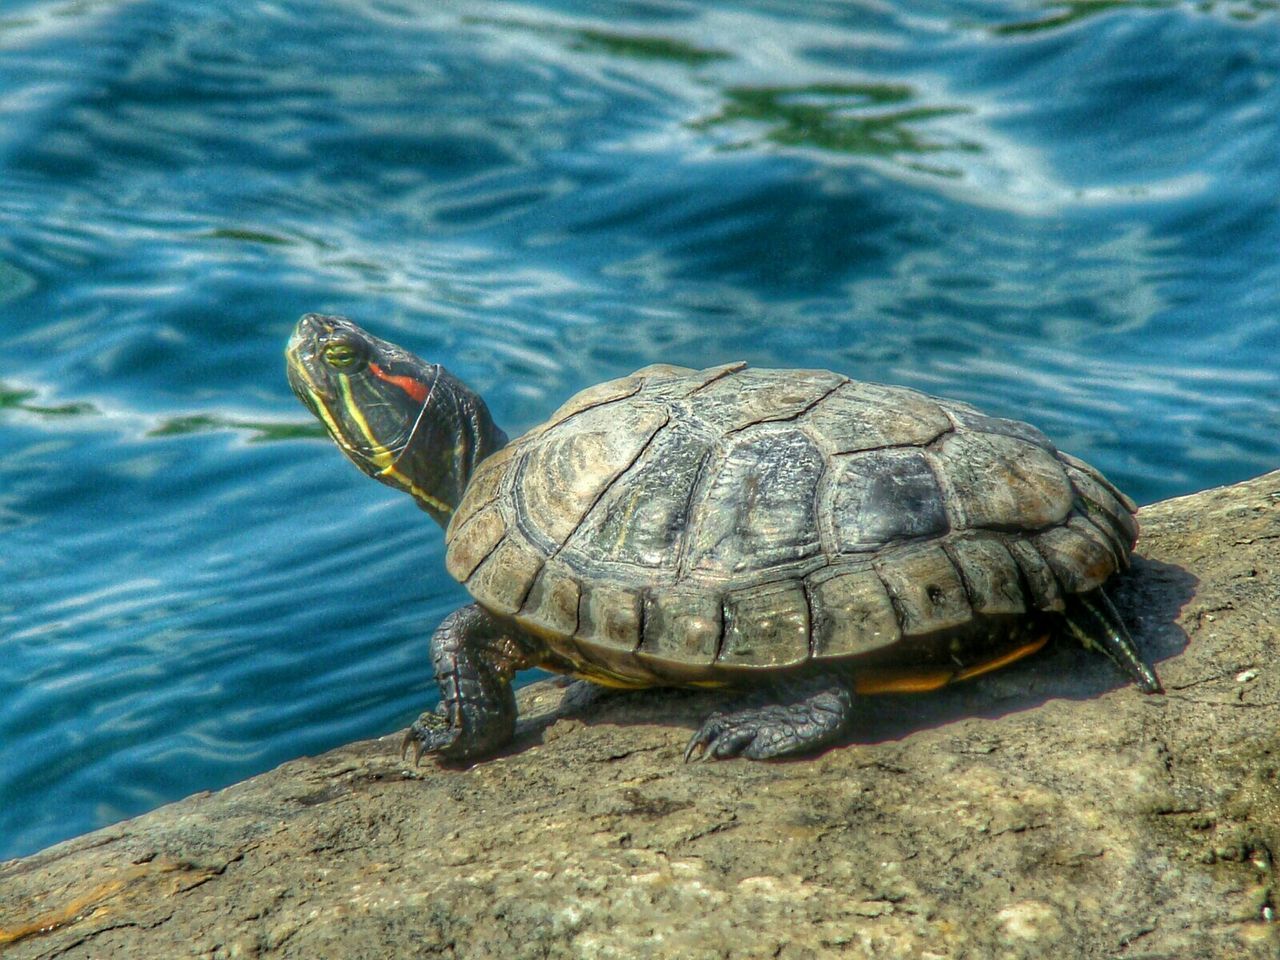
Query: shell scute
(746,396)
(471,542)
(884,496)
(506,575)
(1102,504)
(642,517)
(766,626)
(969,418)
(852,612)
(609,615)
(682,626)
(551,608)
(1002,483)
(564,472)
(1080,555)
(926,589)
(990,575)
(485,487)
(757,506)
(864,416)
(602,394)
(1037,574)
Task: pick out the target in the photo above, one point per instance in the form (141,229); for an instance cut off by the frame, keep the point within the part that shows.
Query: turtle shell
(683,526)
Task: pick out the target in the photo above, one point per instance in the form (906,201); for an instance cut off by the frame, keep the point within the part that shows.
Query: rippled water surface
(1065,212)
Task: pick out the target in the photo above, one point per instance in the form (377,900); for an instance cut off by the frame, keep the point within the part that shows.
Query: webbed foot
(791,716)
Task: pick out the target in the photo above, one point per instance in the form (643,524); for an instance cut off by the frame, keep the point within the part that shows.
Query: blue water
(1066,212)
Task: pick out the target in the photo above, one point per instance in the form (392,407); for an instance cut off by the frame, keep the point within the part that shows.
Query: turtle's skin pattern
(795,532)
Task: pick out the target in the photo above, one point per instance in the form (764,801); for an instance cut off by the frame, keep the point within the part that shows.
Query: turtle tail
(1093,620)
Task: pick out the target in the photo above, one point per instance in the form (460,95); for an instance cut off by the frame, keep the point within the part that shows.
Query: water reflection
(632,46)
(16,398)
(260,431)
(875,120)
(1064,13)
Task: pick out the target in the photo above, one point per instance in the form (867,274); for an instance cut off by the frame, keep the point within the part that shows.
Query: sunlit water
(1063,212)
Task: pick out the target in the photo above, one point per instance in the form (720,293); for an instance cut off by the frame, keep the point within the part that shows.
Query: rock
(1046,809)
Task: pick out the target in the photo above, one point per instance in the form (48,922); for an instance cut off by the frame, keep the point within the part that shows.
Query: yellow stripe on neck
(434,502)
(380,456)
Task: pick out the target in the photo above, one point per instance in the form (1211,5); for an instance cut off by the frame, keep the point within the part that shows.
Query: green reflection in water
(260,431)
(247,236)
(1073,11)
(15,399)
(634,46)
(14,283)
(1067,12)
(842,118)
(644,48)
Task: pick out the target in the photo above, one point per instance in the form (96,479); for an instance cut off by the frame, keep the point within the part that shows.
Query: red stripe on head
(414,388)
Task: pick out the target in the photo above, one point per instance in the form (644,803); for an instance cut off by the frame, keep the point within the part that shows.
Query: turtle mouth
(299,359)
(312,385)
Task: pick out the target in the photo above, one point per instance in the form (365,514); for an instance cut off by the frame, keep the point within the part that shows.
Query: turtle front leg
(474,657)
(786,716)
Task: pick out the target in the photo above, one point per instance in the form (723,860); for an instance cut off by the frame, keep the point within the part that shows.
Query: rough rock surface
(1047,809)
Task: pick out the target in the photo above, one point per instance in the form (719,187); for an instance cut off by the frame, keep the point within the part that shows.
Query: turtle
(798,535)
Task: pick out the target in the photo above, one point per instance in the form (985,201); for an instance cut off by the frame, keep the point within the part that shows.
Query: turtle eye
(341,356)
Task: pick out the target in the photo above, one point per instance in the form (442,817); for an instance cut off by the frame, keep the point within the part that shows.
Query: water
(1066,213)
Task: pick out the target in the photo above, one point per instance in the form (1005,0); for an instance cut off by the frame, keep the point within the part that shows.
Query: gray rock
(1046,809)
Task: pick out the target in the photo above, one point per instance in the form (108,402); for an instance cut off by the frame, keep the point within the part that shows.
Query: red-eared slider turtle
(794,532)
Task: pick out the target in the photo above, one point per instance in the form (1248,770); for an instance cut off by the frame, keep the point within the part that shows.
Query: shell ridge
(643,621)
(586,514)
(528,589)
(899,613)
(1078,519)
(724,628)
(511,492)
(820,507)
(1024,583)
(970,594)
(1121,558)
(595,405)
(1063,592)
(485,559)
(696,492)
(811,612)
(791,417)
(927,446)
(943,479)
(1094,510)
(1096,475)
(729,370)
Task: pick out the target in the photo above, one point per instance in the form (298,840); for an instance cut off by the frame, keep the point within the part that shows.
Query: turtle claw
(410,741)
(798,716)
(430,733)
(725,735)
(696,750)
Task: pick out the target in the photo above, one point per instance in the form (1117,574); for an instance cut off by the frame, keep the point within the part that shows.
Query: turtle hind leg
(1094,621)
(786,716)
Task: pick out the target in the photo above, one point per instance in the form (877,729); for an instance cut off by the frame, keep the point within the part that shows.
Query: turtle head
(405,422)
